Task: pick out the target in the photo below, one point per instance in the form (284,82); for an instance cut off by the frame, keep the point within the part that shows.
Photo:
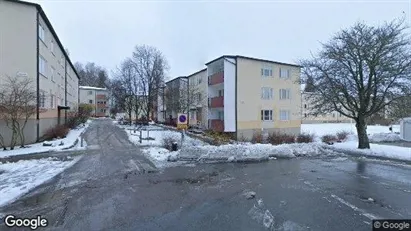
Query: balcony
(216,78)
(103,97)
(216,125)
(100,105)
(216,102)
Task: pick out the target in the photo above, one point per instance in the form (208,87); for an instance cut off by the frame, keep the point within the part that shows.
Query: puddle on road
(204,178)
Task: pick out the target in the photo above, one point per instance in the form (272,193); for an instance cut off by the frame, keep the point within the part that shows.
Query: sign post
(182,121)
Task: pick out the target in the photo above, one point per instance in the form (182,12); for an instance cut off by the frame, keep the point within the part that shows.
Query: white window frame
(42,100)
(266,117)
(284,73)
(52,101)
(52,70)
(285,94)
(42,33)
(266,71)
(52,47)
(284,115)
(42,66)
(267,93)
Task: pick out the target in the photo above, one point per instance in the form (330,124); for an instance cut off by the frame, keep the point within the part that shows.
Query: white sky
(190,33)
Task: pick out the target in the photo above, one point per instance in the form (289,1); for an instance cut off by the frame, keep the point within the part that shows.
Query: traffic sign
(182,121)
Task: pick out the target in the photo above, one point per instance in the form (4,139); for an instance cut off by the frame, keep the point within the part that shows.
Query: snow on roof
(92,88)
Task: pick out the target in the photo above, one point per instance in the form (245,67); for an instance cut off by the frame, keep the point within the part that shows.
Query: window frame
(43,66)
(264,93)
(288,75)
(287,93)
(287,113)
(269,116)
(42,33)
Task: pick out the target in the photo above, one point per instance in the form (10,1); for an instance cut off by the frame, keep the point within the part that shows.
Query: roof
(92,88)
(47,21)
(251,58)
(177,78)
(197,72)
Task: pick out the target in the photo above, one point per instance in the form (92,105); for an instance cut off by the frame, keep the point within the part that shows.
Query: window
(192,115)
(61,101)
(90,92)
(52,73)
(199,97)
(42,33)
(284,115)
(285,94)
(52,47)
(284,73)
(266,115)
(305,115)
(266,93)
(220,92)
(62,60)
(43,66)
(221,115)
(42,99)
(52,101)
(305,105)
(266,71)
(90,101)
(333,115)
(200,80)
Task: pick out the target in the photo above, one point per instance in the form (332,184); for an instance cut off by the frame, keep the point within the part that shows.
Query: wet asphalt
(114,187)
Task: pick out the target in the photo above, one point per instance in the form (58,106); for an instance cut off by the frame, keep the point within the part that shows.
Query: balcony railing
(100,105)
(216,125)
(216,78)
(101,96)
(216,102)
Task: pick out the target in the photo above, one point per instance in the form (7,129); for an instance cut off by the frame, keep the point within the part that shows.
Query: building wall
(18,57)
(229,95)
(198,85)
(250,103)
(308,118)
(89,96)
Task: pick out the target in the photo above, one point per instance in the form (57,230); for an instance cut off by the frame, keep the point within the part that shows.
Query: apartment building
(248,95)
(30,48)
(98,98)
(176,97)
(307,116)
(197,89)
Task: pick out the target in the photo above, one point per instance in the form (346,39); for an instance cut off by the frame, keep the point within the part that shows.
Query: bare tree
(360,71)
(150,66)
(18,103)
(399,109)
(92,75)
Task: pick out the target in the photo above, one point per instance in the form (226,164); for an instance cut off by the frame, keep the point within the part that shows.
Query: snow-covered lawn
(70,139)
(20,177)
(332,128)
(376,150)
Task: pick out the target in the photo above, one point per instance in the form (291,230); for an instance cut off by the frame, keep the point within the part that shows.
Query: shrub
(342,135)
(276,138)
(58,131)
(329,138)
(305,138)
(242,139)
(257,138)
(168,141)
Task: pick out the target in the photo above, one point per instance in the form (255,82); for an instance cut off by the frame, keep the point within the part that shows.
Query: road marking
(355,208)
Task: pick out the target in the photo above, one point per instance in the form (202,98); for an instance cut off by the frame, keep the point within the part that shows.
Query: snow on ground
(20,177)
(376,150)
(70,139)
(332,128)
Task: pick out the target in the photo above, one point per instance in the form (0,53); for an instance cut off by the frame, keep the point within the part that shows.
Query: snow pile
(160,156)
(157,136)
(253,152)
(376,150)
(384,137)
(20,177)
(67,142)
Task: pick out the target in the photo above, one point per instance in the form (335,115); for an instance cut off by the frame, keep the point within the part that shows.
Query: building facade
(198,100)
(176,97)
(307,116)
(98,98)
(30,48)
(243,95)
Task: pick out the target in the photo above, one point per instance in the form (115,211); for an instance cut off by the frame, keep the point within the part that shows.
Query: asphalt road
(116,188)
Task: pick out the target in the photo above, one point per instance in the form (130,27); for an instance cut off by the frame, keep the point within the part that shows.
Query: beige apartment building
(197,87)
(307,116)
(244,95)
(97,97)
(30,48)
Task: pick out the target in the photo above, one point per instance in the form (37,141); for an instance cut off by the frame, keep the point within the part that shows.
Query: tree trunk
(361,125)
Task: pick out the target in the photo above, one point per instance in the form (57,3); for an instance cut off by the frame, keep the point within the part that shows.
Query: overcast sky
(190,33)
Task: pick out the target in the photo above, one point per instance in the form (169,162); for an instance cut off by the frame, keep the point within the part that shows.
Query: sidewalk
(69,142)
